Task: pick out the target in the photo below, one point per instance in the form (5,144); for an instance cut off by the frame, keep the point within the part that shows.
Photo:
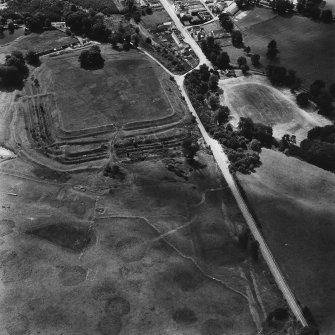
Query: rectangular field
(305,46)
(126,90)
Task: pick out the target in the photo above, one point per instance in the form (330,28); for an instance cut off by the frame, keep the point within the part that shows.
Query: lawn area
(129,88)
(305,46)
(156,18)
(254,97)
(294,203)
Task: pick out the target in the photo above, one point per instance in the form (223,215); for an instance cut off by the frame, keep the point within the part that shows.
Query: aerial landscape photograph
(167,167)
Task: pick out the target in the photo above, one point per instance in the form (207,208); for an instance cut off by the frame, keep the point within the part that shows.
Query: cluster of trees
(38,15)
(311,8)
(226,22)
(279,75)
(23,9)
(15,70)
(242,64)
(213,52)
(91,59)
(88,24)
(322,97)
(318,148)
(242,145)
(32,58)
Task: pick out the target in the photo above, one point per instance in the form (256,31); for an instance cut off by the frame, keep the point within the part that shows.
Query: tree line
(242,145)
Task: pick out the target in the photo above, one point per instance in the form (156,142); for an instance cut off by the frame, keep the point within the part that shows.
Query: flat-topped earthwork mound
(127,89)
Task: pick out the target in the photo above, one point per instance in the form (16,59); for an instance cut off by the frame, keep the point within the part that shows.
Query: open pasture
(305,46)
(126,90)
(294,203)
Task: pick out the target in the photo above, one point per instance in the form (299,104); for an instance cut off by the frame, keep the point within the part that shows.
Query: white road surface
(223,163)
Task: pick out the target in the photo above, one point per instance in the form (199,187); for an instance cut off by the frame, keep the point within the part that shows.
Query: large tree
(272,50)
(237,38)
(91,58)
(255,59)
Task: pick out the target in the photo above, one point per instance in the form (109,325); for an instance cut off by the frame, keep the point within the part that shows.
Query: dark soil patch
(6,227)
(66,236)
(187,281)
(211,327)
(184,316)
(110,325)
(72,275)
(46,173)
(117,306)
(131,249)
(104,291)
(19,325)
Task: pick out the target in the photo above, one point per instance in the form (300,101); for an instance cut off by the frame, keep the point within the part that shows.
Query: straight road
(223,163)
(187,37)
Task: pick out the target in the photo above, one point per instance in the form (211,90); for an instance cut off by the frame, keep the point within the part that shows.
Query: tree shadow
(11,87)
(97,66)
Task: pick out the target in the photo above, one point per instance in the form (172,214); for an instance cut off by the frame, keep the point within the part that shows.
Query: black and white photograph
(167,167)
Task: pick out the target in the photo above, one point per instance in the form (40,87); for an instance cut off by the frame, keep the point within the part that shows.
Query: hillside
(294,203)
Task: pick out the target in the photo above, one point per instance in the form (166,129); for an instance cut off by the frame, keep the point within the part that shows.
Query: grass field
(40,42)
(157,17)
(124,262)
(246,19)
(305,46)
(294,203)
(253,97)
(126,90)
